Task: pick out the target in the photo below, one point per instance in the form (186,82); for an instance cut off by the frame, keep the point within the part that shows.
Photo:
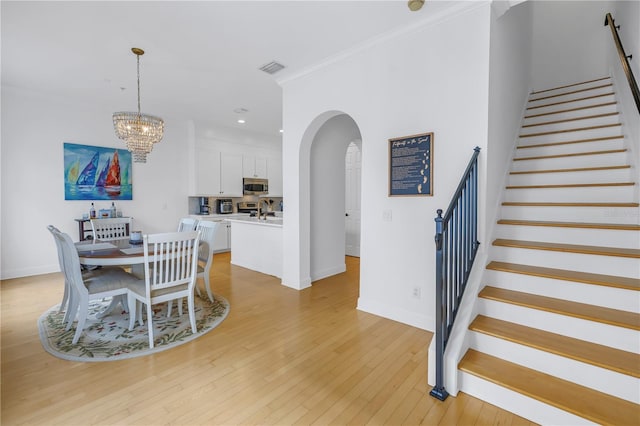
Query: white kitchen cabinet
(254,167)
(223,237)
(207,180)
(274,174)
(217,173)
(230,174)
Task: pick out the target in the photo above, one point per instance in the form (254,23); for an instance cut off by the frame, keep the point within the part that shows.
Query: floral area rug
(108,339)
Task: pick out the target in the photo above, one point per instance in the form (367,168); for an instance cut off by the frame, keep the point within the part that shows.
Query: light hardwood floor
(281,357)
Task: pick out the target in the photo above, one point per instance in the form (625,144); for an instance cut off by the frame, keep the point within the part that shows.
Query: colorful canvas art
(96,173)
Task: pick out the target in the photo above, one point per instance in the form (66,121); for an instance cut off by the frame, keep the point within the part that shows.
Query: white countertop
(271,221)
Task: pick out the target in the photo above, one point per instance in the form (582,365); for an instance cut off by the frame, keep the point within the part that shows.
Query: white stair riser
(517,403)
(607,297)
(562,106)
(584,374)
(582,236)
(569,136)
(551,125)
(601,145)
(594,264)
(570,113)
(559,178)
(544,98)
(603,334)
(576,161)
(616,194)
(623,215)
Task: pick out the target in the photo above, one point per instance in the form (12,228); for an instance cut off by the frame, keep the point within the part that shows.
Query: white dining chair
(187,224)
(170,268)
(90,285)
(205,254)
(64,305)
(111,229)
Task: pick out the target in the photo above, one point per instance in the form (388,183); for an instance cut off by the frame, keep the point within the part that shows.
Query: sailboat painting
(97,173)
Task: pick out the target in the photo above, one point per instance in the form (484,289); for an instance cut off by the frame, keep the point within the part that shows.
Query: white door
(352,200)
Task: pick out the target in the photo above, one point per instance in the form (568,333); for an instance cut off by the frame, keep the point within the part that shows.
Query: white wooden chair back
(111,229)
(187,224)
(170,261)
(207,230)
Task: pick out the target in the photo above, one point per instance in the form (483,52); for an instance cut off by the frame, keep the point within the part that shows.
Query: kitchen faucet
(262,200)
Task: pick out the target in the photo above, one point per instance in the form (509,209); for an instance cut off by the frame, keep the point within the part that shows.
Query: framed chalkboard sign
(411,165)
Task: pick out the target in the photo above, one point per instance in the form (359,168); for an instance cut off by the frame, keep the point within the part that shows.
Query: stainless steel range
(247,207)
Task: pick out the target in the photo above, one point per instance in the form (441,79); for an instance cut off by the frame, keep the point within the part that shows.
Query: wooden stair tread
(562,111)
(578,169)
(569,248)
(573,92)
(587,403)
(583,311)
(570,185)
(614,226)
(562,204)
(562,274)
(574,129)
(586,98)
(567,120)
(580,350)
(573,154)
(539,145)
(570,85)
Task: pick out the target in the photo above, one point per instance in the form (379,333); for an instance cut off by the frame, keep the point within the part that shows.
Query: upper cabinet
(217,173)
(230,174)
(254,167)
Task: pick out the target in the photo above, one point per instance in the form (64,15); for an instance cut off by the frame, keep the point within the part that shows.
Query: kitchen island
(257,244)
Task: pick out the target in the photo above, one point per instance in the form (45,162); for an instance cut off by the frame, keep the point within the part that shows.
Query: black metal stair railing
(456,246)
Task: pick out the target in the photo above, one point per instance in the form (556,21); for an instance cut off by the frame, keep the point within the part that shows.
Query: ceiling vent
(272,67)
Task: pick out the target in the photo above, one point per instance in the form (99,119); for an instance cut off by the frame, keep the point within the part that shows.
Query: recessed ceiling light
(241,120)
(281,131)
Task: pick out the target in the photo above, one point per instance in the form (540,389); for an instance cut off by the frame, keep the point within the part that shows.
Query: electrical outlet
(416,292)
(386,215)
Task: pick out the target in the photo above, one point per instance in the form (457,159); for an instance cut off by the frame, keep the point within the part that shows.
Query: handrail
(456,246)
(624,59)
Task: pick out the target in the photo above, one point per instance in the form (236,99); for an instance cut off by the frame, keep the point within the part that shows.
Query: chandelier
(139,131)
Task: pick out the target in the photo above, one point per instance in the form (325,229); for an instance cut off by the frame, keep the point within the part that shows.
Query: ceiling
(202,58)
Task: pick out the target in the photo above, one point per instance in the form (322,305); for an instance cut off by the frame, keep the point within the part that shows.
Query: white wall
(509,83)
(569,42)
(328,195)
(431,79)
(34,127)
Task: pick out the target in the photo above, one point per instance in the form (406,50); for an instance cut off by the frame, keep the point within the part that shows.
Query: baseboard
(318,275)
(27,272)
(413,319)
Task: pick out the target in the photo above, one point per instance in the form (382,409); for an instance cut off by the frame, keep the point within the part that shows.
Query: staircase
(557,335)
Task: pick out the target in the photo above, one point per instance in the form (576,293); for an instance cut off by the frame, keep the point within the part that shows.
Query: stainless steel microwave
(253,186)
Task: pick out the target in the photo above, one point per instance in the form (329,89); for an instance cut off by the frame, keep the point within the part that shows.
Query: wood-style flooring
(281,357)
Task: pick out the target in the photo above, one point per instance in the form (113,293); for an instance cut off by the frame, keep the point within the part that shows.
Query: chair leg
(150,323)
(132,302)
(207,285)
(192,313)
(65,297)
(82,316)
(169,306)
(73,311)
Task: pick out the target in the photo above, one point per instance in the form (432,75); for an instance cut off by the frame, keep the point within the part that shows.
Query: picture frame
(411,165)
(97,173)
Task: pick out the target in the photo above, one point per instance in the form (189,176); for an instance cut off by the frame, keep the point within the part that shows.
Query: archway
(327,147)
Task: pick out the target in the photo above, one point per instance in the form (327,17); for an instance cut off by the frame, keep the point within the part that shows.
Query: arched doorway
(327,183)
